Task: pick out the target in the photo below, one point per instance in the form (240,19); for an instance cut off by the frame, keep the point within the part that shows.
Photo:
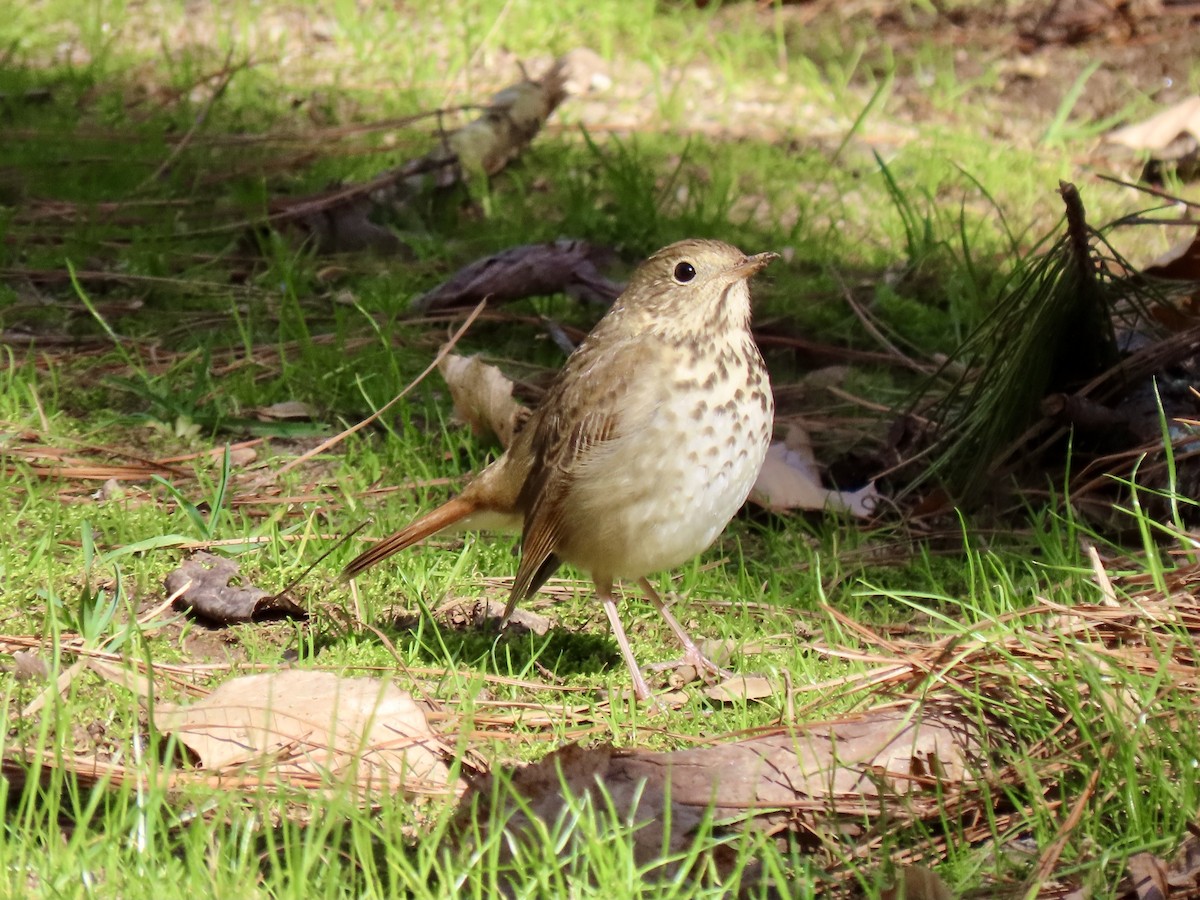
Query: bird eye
(685,272)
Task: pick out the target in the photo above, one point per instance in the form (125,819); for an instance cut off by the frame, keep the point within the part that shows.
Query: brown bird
(643,448)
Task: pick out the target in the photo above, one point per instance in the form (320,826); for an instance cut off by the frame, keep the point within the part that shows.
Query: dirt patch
(1006,61)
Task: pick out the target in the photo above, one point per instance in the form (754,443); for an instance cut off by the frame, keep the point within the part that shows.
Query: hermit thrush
(644,446)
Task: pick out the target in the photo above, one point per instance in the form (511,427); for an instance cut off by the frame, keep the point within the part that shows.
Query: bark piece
(339,220)
(832,775)
(203,588)
(530,270)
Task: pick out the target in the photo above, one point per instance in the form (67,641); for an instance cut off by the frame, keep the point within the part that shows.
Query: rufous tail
(431,523)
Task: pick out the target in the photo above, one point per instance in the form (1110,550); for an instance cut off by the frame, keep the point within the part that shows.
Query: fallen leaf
(917,883)
(681,672)
(346,227)
(473,611)
(287,409)
(110,490)
(28,665)
(203,588)
(740,688)
(1167,134)
(789,480)
(242,456)
(1149,876)
(1180,263)
(1185,868)
(298,724)
(482,397)
(1074,21)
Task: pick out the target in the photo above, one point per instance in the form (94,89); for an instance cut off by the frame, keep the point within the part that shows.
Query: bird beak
(752,264)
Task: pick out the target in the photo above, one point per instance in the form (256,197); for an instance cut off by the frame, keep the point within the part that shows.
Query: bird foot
(691,666)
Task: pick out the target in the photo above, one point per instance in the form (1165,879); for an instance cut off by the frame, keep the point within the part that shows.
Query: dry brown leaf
(789,480)
(28,665)
(286,411)
(1149,876)
(474,611)
(482,397)
(242,456)
(1185,869)
(346,227)
(917,883)
(681,672)
(1074,21)
(1180,263)
(297,724)
(740,688)
(1167,134)
(203,589)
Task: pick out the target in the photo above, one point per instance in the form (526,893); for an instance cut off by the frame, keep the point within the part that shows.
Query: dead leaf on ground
(285,411)
(740,688)
(474,611)
(917,883)
(681,672)
(483,397)
(345,227)
(1169,134)
(28,665)
(530,270)
(297,724)
(1184,871)
(1149,876)
(1180,263)
(790,480)
(1075,21)
(841,772)
(202,584)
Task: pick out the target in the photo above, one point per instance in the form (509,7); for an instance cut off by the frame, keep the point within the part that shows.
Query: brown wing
(584,410)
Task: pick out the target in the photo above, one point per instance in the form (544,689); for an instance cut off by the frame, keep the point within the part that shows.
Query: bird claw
(700,665)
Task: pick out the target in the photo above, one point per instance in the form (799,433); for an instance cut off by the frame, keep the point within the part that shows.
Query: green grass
(163,325)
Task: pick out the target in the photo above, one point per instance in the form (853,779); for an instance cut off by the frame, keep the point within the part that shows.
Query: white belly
(668,489)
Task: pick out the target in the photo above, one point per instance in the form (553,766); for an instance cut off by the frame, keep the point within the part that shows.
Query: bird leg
(641,689)
(692,655)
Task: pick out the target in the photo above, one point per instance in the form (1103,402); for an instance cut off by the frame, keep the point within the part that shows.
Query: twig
(338,438)
(1148,189)
(868,323)
(226,76)
(1102,580)
(1050,858)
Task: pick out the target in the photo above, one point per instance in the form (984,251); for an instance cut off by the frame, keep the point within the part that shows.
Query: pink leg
(641,690)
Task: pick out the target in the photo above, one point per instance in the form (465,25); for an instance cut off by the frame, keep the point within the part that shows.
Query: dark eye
(685,272)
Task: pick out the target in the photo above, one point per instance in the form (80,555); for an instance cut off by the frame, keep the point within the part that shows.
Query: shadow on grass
(514,652)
